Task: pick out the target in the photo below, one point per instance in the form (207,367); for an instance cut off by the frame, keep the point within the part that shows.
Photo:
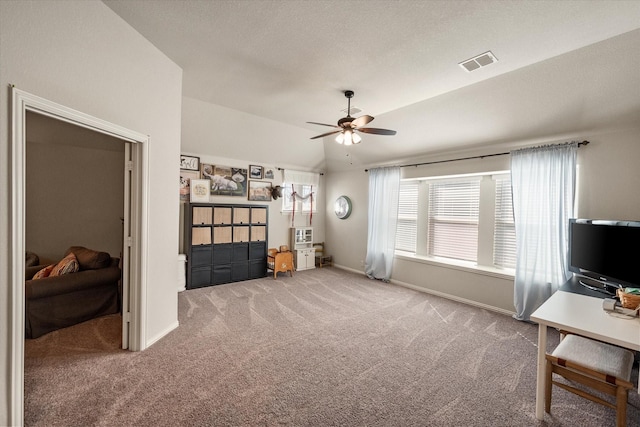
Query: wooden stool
(602,367)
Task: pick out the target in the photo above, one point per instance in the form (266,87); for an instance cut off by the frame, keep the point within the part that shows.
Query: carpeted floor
(322,348)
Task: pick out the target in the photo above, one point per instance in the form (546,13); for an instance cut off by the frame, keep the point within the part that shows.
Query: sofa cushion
(68,264)
(45,272)
(31,259)
(88,259)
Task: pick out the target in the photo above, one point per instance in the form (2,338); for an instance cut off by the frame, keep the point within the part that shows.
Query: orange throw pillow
(45,272)
(68,264)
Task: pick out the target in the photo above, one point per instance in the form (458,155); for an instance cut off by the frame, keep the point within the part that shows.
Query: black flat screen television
(606,253)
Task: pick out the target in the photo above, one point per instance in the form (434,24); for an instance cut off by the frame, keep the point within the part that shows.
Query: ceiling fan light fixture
(347,126)
(348,137)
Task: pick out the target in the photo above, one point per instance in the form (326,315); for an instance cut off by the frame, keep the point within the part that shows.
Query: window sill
(507,274)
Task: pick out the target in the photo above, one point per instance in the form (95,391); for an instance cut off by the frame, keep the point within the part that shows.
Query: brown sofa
(53,303)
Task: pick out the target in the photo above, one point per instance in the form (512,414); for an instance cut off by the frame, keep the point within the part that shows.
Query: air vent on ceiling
(479,61)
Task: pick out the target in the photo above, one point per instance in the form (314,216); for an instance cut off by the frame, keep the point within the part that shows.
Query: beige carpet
(322,348)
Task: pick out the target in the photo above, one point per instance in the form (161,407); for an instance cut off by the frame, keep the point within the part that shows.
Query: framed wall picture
(255,172)
(186,176)
(225,180)
(190,163)
(260,191)
(200,190)
(269,173)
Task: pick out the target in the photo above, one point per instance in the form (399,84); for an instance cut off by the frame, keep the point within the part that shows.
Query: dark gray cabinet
(225,243)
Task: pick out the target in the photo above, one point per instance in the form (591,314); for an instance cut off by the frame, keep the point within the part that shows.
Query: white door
(125,258)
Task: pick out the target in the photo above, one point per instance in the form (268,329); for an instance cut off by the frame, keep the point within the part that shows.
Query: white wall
(608,174)
(346,239)
(83,56)
(222,132)
(227,137)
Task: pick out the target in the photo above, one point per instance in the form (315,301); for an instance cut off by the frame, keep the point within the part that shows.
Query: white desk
(584,316)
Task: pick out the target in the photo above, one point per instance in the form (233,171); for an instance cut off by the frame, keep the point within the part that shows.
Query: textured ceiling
(290,61)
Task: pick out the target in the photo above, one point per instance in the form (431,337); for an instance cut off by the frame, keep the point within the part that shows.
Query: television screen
(608,251)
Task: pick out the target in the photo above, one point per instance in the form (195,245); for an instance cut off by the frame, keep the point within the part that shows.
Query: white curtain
(543,185)
(384,190)
(301,178)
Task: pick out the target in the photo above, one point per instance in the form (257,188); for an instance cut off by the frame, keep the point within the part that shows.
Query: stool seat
(601,357)
(594,364)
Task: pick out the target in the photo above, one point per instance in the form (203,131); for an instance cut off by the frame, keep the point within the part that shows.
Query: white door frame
(21,102)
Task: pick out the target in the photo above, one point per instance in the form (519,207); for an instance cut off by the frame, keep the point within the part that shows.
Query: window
(464,219)
(407,227)
(453,219)
(303,203)
(504,241)
(305,185)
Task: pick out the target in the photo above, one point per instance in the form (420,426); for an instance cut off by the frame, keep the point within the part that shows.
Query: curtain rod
(467,158)
(321,173)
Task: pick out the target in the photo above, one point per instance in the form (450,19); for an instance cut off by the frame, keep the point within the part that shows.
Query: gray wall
(74,188)
(608,175)
(82,55)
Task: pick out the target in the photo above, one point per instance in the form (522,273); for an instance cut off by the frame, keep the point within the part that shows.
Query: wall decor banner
(225,180)
(190,163)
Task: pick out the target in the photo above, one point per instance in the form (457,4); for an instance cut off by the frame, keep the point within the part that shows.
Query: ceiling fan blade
(323,124)
(377,131)
(361,121)
(327,134)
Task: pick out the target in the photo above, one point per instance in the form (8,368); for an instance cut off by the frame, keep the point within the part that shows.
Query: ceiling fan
(347,126)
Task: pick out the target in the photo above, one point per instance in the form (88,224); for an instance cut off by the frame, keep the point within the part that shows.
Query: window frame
(484,263)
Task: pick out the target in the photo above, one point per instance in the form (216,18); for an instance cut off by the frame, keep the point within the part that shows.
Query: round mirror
(343,207)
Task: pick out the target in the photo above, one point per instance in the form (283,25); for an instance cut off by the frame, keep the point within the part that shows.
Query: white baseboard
(342,267)
(162,334)
(437,293)
(453,297)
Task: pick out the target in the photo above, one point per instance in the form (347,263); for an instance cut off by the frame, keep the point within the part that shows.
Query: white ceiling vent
(479,61)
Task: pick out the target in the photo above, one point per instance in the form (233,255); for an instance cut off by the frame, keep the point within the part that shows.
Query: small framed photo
(260,191)
(186,176)
(189,163)
(200,190)
(255,172)
(268,173)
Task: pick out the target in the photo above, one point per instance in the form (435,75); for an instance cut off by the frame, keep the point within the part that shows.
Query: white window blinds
(453,218)
(407,227)
(504,241)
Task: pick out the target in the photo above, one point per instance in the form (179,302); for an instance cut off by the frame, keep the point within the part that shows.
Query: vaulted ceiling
(565,68)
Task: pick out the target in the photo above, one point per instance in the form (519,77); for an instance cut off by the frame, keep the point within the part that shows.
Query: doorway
(134,227)
(74,188)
